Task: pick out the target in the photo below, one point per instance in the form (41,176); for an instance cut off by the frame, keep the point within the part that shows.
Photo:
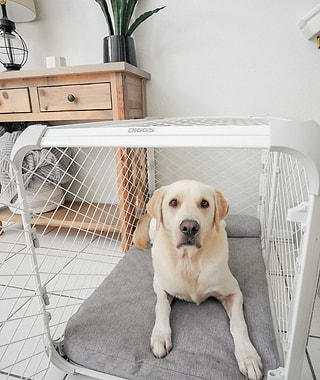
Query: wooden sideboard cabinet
(113,91)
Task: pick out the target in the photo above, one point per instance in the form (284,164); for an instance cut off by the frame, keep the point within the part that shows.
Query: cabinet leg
(141,180)
(126,196)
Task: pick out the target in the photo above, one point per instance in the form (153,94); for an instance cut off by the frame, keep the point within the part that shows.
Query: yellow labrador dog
(185,221)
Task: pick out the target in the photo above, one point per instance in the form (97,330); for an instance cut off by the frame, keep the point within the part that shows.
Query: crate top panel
(298,138)
(166,132)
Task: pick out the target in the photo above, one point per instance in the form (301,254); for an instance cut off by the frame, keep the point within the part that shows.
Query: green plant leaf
(122,11)
(117,7)
(130,7)
(105,9)
(141,19)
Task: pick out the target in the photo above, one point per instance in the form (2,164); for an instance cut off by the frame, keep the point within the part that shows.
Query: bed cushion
(243,226)
(111,331)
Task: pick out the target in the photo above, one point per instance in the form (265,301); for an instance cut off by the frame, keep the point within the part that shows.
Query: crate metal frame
(297,139)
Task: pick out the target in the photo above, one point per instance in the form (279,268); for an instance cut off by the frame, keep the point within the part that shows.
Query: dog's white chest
(189,281)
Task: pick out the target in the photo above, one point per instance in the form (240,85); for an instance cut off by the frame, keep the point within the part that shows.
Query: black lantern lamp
(13,49)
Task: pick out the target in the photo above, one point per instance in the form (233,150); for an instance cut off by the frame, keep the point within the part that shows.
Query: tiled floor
(65,260)
(71,266)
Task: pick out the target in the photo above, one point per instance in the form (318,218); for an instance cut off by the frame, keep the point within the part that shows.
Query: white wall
(206,57)
(70,28)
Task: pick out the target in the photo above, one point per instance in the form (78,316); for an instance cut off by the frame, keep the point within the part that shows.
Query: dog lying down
(185,223)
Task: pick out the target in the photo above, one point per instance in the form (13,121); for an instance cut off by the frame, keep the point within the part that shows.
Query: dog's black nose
(189,227)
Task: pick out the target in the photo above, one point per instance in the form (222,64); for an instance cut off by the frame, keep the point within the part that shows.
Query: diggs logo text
(140,130)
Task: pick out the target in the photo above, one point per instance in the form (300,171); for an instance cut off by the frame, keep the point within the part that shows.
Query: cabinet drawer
(75,98)
(15,101)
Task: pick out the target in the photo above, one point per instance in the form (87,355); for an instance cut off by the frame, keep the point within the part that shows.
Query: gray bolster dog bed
(111,331)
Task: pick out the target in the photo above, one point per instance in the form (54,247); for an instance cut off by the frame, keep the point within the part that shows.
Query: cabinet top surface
(81,69)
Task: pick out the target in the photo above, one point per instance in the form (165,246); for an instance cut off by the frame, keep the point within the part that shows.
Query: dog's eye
(204,204)
(173,203)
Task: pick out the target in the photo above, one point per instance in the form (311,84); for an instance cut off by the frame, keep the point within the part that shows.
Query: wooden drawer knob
(71,98)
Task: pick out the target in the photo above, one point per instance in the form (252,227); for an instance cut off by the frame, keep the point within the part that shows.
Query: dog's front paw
(161,343)
(250,364)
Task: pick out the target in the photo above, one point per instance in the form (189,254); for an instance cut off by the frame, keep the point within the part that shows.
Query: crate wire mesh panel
(285,187)
(82,238)
(22,349)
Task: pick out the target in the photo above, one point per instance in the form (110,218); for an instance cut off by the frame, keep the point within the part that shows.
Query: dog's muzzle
(189,230)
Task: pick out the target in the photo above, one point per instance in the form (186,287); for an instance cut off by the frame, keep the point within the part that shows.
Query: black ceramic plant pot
(119,49)
(131,51)
(114,49)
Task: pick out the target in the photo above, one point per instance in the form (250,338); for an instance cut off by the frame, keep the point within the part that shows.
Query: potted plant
(119,45)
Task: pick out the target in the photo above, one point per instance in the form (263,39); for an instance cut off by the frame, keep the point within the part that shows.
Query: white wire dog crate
(266,167)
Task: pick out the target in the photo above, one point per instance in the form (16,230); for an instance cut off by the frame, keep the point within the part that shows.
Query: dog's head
(188,211)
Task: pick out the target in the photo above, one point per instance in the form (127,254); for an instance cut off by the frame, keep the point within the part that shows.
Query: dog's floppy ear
(221,210)
(154,206)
